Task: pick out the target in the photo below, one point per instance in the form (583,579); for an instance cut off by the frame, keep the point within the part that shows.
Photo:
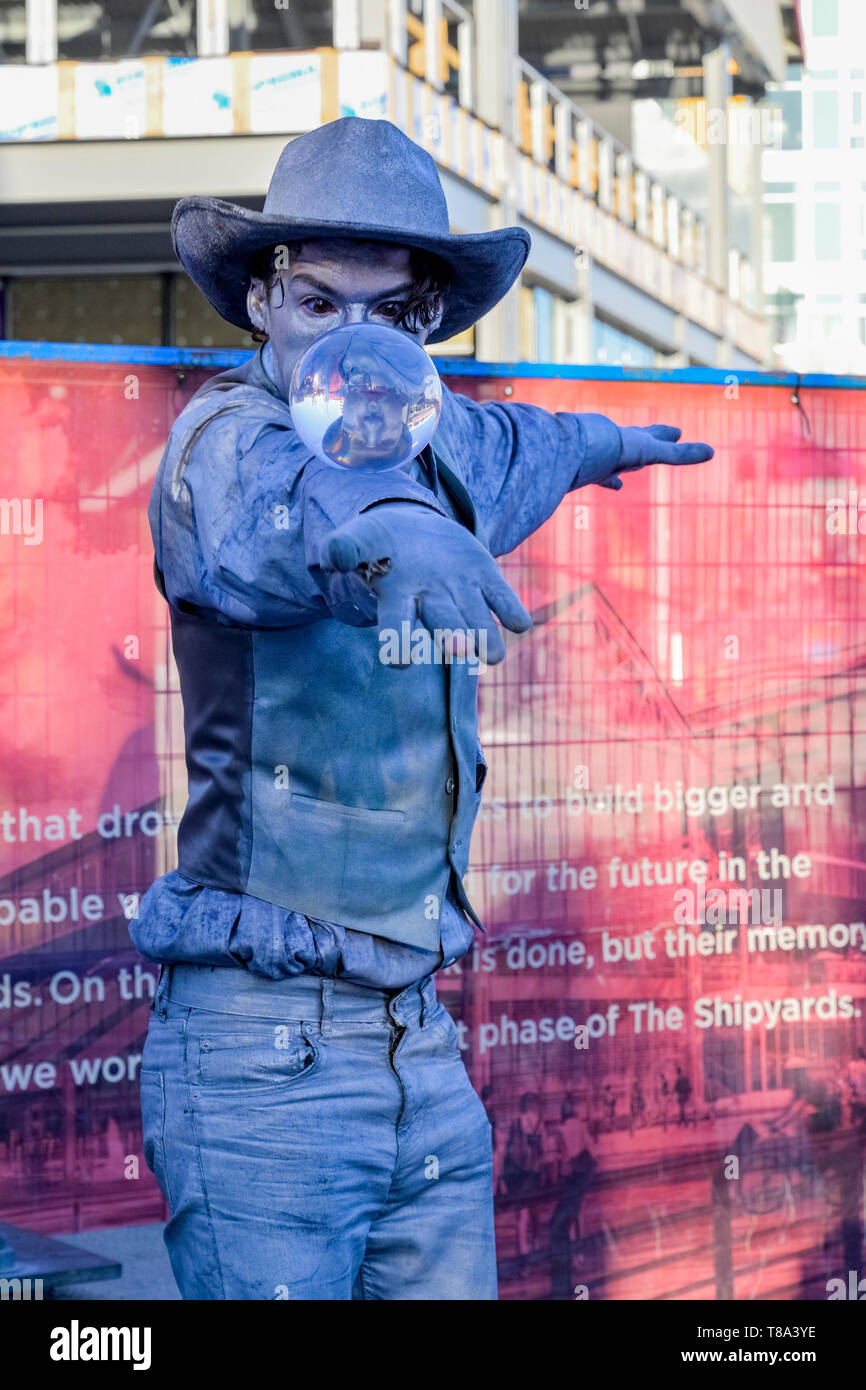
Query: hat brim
(216,242)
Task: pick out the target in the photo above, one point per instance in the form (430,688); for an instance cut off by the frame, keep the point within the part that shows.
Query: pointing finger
(506,605)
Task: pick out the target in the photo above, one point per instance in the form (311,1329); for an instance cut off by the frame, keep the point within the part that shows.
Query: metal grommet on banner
(796,400)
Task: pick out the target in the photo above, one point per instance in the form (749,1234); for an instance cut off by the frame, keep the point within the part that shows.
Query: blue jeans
(315,1139)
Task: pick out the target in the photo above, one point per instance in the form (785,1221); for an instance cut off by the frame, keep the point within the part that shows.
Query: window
(828,232)
(12,31)
(148,310)
(783,312)
(262,24)
(615,348)
(780,188)
(543,325)
(780,218)
(135,28)
(116,29)
(196,324)
(826,120)
(87,309)
(790,105)
(825,18)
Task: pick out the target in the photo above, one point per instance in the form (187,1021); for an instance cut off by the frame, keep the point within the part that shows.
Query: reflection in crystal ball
(365,397)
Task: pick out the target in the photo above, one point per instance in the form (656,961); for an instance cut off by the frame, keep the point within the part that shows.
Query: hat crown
(358,179)
(359,171)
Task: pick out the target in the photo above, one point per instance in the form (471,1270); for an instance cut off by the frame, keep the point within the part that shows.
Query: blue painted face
(331,283)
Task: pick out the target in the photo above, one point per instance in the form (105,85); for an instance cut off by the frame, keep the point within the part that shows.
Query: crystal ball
(365,397)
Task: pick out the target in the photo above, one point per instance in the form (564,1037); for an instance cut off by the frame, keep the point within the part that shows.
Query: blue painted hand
(643,445)
(419,563)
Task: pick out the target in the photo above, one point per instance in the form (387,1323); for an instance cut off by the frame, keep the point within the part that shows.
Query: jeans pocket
(152,1091)
(448,1028)
(254,1060)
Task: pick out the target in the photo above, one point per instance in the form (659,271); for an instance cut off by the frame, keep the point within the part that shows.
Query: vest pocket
(311,805)
(383,871)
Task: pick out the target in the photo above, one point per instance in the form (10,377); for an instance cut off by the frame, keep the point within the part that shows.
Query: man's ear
(440,314)
(257,299)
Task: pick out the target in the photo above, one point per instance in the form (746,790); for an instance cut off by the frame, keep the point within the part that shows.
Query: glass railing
(435,40)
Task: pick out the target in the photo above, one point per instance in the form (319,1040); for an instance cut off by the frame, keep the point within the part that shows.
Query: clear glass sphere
(365,397)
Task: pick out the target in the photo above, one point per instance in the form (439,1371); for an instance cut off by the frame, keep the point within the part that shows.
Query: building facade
(110,112)
(815,196)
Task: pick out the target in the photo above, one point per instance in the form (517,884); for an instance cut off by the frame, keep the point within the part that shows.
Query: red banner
(665,1015)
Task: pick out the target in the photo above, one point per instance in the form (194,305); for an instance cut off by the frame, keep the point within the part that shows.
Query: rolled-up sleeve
(240,511)
(519,461)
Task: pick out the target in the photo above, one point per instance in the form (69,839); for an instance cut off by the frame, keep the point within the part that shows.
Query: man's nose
(355,313)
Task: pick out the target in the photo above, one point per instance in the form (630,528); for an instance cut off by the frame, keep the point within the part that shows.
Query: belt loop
(423,987)
(161,993)
(327,1005)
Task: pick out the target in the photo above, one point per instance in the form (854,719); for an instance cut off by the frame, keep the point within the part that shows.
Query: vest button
(449,785)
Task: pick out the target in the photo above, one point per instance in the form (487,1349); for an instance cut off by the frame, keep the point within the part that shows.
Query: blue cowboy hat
(352,178)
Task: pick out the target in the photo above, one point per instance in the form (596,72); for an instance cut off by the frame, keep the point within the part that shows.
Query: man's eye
(319,306)
(390,310)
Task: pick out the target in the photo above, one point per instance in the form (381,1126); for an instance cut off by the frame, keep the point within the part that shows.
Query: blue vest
(323,780)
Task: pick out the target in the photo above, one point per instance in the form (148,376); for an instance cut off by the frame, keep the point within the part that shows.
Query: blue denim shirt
(218,549)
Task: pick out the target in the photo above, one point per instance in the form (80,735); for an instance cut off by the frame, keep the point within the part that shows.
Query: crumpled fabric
(181,921)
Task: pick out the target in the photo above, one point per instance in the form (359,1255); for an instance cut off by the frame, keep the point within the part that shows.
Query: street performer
(306,1108)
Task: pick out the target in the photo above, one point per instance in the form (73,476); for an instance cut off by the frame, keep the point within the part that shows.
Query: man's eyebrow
(379,295)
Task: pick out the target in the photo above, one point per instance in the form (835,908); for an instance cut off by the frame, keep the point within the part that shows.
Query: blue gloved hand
(642,445)
(423,566)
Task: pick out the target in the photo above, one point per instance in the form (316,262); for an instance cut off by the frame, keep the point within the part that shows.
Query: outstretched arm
(520,461)
(249,528)
(240,512)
